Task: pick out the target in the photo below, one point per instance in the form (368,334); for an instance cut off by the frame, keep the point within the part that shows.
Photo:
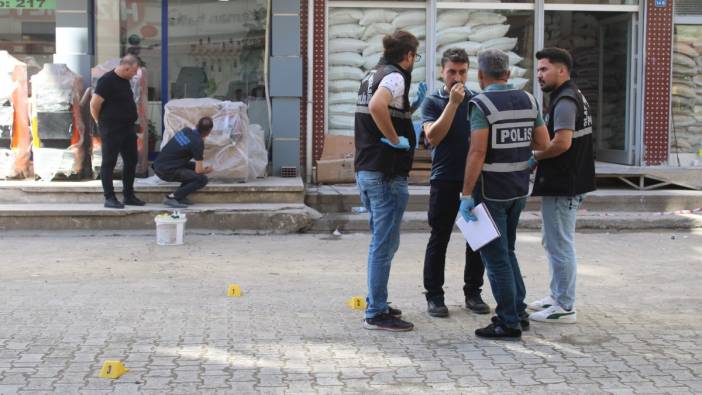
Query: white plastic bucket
(170,230)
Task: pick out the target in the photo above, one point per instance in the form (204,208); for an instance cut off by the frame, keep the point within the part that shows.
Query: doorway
(601,46)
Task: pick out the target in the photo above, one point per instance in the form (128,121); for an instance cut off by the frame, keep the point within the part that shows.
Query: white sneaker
(554,314)
(541,304)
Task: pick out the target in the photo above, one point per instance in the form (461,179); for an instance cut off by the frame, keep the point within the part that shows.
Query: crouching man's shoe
(133,201)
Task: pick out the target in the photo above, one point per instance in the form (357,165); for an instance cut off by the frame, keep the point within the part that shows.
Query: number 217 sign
(27,4)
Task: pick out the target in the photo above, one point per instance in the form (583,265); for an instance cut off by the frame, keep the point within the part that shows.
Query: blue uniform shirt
(449,157)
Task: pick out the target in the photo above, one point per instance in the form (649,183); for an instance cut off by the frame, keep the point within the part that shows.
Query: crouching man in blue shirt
(174,163)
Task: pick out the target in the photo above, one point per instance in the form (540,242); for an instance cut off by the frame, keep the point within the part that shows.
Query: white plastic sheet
(235,150)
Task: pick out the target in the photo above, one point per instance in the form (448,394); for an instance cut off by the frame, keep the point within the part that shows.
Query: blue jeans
(386,200)
(501,262)
(558,238)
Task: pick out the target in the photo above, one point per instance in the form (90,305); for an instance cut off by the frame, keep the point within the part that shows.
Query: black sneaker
(112,202)
(185,201)
(524,321)
(397,313)
(497,331)
(437,309)
(171,202)
(386,322)
(133,201)
(477,305)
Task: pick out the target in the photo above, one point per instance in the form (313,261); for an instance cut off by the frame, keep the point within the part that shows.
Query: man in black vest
(385,142)
(115,112)
(445,123)
(566,172)
(505,125)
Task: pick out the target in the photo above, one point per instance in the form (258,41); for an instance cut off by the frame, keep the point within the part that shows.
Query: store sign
(27,4)
(661,3)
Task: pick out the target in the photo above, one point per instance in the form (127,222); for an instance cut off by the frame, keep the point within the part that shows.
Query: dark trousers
(189,180)
(444,201)
(118,140)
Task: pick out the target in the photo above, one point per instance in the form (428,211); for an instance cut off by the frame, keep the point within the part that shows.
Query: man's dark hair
(556,55)
(205,125)
(455,55)
(398,44)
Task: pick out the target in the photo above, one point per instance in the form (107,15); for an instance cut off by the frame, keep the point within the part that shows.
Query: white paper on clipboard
(480,232)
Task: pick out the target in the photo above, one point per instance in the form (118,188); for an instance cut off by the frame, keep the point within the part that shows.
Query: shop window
(686,138)
(29,36)
(217,50)
(609,2)
(355,46)
(475,30)
(599,44)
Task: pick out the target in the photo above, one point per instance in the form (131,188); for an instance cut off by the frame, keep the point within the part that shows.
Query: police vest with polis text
(371,153)
(511,115)
(573,172)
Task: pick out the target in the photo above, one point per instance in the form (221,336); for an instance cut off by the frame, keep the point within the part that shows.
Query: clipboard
(478,233)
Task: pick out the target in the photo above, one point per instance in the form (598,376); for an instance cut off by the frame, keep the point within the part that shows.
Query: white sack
(344,85)
(345,59)
(376,29)
(371,60)
(485,18)
(341,122)
(346,45)
(351,30)
(375,15)
(409,19)
(343,98)
(374,44)
(344,73)
(453,35)
(345,15)
(518,83)
(502,43)
(342,109)
(488,32)
(452,18)
(470,47)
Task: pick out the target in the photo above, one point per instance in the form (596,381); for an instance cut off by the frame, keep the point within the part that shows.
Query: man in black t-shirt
(174,163)
(114,110)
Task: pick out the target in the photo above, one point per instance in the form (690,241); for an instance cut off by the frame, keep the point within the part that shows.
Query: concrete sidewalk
(70,302)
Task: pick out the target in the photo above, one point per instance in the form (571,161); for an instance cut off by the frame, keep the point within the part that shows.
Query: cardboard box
(338,147)
(335,171)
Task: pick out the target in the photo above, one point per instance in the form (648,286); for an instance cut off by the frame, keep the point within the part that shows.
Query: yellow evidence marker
(233,290)
(357,303)
(112,369)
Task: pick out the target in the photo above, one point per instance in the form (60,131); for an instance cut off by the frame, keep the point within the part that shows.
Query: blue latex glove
(532,162)
(421,94)
(467,205)
(403,144)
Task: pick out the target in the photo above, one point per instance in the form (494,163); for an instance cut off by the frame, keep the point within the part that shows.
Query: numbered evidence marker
(233,290)
(357,303)
(112,369)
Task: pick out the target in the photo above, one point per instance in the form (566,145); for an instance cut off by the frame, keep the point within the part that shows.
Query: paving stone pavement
(70,302)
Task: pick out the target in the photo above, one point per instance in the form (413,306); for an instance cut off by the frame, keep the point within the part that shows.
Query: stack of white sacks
(687,90)
(356,45)
(475,31)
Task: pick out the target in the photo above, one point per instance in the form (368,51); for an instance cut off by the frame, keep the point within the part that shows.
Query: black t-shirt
(119,108)
(184,146)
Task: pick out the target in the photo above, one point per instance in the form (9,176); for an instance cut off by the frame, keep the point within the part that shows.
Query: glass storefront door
(600,43)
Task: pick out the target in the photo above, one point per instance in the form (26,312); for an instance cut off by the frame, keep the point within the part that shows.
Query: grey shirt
(564,115)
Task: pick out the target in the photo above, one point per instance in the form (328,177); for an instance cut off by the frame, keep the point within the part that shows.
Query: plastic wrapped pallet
(233,149)
(139,89)
(57,124)
(15,138)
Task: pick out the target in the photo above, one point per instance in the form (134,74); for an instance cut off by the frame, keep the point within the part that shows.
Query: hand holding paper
(467,205)
(479,231)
